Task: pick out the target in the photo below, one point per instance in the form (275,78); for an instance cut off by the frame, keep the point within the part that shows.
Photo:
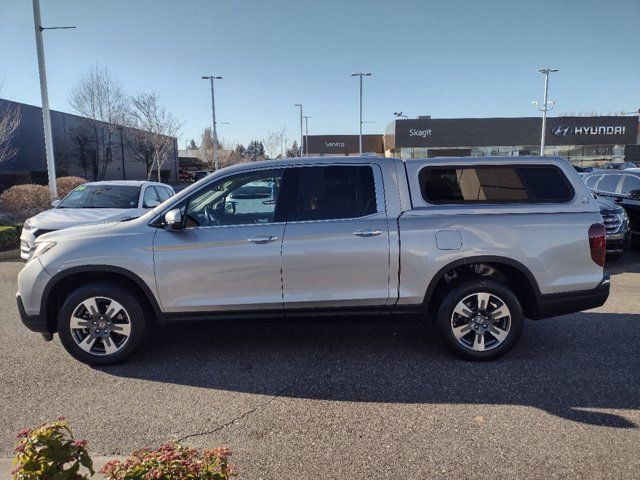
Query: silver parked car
(95,202)
(473,244)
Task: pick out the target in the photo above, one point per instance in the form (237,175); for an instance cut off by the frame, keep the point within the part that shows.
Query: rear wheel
(101,324)
(480,319)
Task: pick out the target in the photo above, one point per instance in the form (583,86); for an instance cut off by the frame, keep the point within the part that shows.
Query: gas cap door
(448,240)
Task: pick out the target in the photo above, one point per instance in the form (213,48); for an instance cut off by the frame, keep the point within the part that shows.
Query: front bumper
(618,242)
(552,305)
(35,323)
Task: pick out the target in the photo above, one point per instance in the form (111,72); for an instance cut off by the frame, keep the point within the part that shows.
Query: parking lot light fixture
(300,106)
(216,161)
(360,74)
(46,116)
(547,105)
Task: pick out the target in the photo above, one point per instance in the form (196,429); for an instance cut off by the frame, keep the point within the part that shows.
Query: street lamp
(546,106)
(399,115)
(216,161)
(360,74)
(46,116)
(300,105)
(306,135)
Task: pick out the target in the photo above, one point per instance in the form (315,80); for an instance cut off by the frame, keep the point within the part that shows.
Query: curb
(10,255)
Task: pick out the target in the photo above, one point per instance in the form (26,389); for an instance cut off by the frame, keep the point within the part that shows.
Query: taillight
(598,243)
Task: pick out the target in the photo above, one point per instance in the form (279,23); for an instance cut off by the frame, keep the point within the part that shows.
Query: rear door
(335,251)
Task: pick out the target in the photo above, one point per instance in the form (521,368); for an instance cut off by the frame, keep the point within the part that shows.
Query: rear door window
(592,180)
(630,183)
(495,184)
(332,192)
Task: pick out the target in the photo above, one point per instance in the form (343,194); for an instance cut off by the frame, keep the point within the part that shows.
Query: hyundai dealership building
(582,140)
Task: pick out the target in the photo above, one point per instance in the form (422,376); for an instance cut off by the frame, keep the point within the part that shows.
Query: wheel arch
(63,283)
(516,275)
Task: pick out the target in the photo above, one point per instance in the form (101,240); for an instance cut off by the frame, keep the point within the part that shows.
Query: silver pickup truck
(474,244)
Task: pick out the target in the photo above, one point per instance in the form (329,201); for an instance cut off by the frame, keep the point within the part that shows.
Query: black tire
(133,313)
(445,323)
(612,257)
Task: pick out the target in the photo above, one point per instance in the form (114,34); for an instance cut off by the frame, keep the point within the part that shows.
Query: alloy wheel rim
(481,321)
(100,326)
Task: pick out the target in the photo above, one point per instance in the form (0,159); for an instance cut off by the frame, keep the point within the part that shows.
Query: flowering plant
(172,461)
(50,452)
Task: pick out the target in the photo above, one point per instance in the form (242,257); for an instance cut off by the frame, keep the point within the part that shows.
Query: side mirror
(55,203)
(634,194)
(173,220)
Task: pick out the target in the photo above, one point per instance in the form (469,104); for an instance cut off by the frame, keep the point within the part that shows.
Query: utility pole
(546,105)
(306,135)
(360,74)
(46,115)
(300,105)
(216,161)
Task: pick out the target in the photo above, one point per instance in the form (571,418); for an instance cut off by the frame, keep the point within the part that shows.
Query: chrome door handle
(259,239)
(367,232)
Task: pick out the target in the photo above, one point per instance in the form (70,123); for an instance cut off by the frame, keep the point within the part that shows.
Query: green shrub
(23,201)
(9,237)
(172,461)
(50,452)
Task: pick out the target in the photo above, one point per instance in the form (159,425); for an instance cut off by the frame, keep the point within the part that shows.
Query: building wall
(70,132)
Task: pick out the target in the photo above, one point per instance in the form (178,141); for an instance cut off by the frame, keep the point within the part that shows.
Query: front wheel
(480,319)
(101,324)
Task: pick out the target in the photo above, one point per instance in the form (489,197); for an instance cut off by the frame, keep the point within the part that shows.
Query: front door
(228,255)
(336,242)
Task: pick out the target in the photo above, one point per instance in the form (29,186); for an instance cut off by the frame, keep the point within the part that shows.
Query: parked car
(200,174)
(616,222)
(474,244)
(618,166)
(94,202)
(623,188)
(581,169)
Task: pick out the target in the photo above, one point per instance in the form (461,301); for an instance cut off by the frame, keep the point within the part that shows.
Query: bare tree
(100,99)
(155,129)
(273,143)
(10,118)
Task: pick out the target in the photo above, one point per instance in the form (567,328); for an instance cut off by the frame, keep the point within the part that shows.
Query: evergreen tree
(255,150)
(192,145)
(294,151)
(241,151)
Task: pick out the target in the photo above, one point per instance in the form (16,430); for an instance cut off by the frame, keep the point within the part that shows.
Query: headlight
(40,248)
(28,225)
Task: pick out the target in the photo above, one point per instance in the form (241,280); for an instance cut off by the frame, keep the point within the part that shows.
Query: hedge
(10,236)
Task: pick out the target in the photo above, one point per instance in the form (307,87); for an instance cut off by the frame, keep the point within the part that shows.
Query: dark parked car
(618,165)
(616,222)
(623,188)
(200,174)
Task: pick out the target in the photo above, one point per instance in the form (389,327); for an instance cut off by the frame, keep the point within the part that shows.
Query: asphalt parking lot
(351,402)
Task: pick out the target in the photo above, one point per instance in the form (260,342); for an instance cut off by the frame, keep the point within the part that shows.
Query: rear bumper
(619,242)
(555,304)
(35,323)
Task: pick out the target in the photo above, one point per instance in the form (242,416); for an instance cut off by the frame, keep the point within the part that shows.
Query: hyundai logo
(562,131)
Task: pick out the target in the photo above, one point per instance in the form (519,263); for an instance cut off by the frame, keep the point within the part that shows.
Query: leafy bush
(9,237)
(66,184)
(172,461)
(23,201)
(50,452)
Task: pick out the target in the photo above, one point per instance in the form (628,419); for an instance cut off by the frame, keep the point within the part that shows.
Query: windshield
(102,196)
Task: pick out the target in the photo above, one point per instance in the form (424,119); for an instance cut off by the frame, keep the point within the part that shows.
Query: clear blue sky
(445,58)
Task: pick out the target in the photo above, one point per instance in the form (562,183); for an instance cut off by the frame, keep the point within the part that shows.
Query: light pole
(546,105)
(46,116)
(216,161)
(360,74)
(306,135)
(300,105)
